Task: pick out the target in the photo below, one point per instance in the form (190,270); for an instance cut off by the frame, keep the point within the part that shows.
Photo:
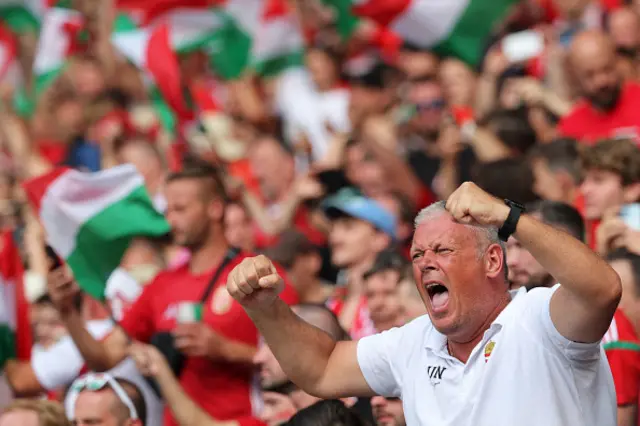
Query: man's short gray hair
(487,235)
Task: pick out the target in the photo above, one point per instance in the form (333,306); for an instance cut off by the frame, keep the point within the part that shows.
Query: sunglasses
(94,382)
(435,105)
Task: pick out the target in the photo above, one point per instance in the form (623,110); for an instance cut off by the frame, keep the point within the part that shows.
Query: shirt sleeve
(577,353)
(137,321)
(624,368)
(376,356)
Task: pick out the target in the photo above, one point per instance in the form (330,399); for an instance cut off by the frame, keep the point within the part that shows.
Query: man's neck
(208,256)
(462,349)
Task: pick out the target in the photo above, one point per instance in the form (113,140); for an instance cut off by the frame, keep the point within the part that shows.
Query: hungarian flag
(457,28)
(263,35)
(90,218)
(23,15)
(15,327)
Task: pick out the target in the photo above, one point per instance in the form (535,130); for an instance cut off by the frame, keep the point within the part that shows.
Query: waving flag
(15,328)
(90,218)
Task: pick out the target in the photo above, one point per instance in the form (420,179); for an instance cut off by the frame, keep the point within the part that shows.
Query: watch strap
(509,226)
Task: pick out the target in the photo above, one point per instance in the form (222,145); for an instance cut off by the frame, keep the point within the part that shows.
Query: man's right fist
(255,283)
(63,290)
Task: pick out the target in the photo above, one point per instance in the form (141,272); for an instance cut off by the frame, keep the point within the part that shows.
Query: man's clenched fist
(255,283)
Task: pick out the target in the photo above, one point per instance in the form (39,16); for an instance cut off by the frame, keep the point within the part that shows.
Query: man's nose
(378,401)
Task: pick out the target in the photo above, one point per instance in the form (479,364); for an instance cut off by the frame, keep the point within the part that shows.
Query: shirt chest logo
(435,373)
(488,350)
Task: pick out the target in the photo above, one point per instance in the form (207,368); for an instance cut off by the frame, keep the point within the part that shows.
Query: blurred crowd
(322,167)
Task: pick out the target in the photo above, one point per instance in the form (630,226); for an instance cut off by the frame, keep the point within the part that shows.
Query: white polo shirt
(523,372)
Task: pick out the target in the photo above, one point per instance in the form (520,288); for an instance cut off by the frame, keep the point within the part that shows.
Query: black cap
(387,260)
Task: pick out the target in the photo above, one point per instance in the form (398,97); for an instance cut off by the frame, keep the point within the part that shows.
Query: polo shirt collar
(435,341)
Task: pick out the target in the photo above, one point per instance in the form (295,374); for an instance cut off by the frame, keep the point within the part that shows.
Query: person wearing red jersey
(621,342)
(360,229)
(217,371)
(610,106)
(611,178)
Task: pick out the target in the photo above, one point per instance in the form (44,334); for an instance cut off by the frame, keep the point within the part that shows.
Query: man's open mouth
(438,294)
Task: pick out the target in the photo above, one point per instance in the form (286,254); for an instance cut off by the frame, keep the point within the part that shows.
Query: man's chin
(607,101)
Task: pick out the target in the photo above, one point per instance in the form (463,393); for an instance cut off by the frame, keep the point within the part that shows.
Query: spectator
(392,363)
(45,373)
(238,227)
(382,290)
(611,179)
(27,412)
(621,342)
(524,269)
(103,399)
(303,262)
(195,208)
(326,413)
(388,411)
(361,228)
(608,110)
(556,172)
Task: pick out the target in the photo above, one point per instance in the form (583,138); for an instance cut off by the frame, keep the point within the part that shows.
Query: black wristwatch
(509,225)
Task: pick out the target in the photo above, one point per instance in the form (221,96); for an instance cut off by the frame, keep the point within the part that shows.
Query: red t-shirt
(221,389)
(622,347)
(589,125)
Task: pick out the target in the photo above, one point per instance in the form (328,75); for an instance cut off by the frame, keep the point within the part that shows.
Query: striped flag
(457,28)
(90,218)
(15,328)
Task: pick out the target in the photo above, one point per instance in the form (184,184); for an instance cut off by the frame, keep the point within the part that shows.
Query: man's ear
(494,261)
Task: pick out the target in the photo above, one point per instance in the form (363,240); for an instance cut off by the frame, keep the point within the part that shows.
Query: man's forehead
(440,230)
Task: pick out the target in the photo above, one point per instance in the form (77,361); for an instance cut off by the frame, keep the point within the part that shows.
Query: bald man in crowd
(609,106)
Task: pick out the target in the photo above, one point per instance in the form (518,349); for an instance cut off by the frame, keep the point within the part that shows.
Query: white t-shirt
(523,372)
(61,364)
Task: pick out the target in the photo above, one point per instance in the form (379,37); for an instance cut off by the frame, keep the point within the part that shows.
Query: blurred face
(454,279)
(88,79)
(271,374)
(383,300)
(429,102)
(351,241)
(237,228)
(20,417)
(69,118)
(272,168)
(598,78)
(602,190)
(624,28)
(458,82)
(322,69)
(190,212)
(366,100)
(95,408)
(365,172)
(387,411)
(630,302)
(278,409)
(47,326)
(545,182)
(524,269)
(418,64)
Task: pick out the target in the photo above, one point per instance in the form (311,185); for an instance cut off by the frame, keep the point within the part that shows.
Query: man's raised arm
(582,307)
(99,356)
(309,357)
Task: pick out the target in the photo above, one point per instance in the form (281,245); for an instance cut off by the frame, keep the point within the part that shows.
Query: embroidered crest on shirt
(488,350)
(221,301)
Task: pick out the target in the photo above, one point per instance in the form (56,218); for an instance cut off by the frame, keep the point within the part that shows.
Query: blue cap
(363,208)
